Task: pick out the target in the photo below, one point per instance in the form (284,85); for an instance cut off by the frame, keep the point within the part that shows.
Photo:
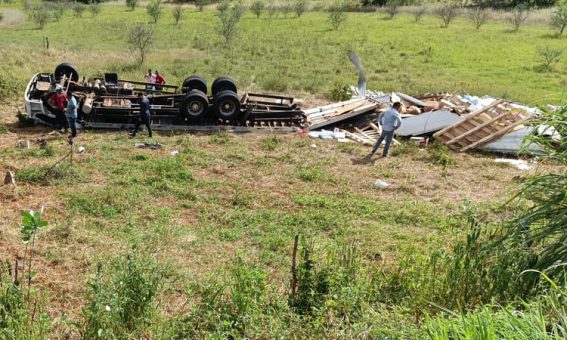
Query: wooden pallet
(483,126)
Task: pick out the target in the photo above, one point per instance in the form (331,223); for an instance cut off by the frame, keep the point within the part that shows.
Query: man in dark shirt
(145,117)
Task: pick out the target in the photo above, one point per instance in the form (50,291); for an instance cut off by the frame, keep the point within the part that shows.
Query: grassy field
(300,55)
(144,244)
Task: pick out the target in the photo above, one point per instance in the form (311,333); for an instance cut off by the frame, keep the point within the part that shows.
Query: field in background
(300,55)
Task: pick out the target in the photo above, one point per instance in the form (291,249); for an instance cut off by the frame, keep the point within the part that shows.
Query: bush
(337,16)
(559,17)
(229,16)
(177,14)
(94,8)
(257,7)
(119,301)
(479,16)
(154,10)
(518,16)
(40,16)
(132,4)
(392,7)
(300,7)
(549,56)
(79,8)
(140,40)
(340,92)
(447,12)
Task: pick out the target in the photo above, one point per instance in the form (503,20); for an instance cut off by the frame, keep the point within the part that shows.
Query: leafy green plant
(177,14)
(132,4)
(140,40)
(120,299)
(340,91)
(300,7)
(31,224)
(270,143)
(559,17)
(229,16)
(154,10)
(337,15)
(79,8)
(258,7)
(548,56)
(222,137)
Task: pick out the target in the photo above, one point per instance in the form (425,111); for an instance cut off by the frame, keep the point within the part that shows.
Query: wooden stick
(293,267)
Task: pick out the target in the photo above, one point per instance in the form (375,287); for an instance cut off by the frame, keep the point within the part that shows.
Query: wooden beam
(493,136)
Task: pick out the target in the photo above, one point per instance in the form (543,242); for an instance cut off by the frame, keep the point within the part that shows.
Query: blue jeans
(73,125)
(388,135)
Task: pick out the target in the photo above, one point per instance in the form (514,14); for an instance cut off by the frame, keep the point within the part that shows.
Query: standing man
(160,80)
(145,117)
(72,112)
(60,101)
(150,79)
(390,121)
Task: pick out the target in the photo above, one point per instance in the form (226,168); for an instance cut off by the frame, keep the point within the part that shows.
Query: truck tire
(195,105)
(66,69)
(221,84)
(227,105)
(194,83)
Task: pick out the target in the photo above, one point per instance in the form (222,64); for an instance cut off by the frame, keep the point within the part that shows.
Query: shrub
(79,8)
(479,16)
(94,8)
(58,12)
(257,7)
(119,301)
(549,56)
(300,7)
(392,7)
(337,16)
(340,91)
(154,10)
(40,16)
(177,14)
(418,12)
(447,12)
(131,4)
(229,16)
(518,16)
(201,3)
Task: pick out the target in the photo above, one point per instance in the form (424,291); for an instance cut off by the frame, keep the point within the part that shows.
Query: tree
(229,16)
(154,10)
(132,4)
(559,17)
(94,8)
(58,12)
(337,15)
(257,7)
(479,16)
(300,7)
(79,8)
(518,16)
(177,14)
(392,7)
(40,16)
(140,40)
(418,12)
(447,12)
(201,3)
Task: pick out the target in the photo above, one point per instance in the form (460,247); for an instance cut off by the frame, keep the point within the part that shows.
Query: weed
(407,148)
(439,154)
(4,129)
(120,297)
(270,143)
(222,137)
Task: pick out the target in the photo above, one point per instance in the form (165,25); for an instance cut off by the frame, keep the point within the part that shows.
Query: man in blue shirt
(72,112)
(145,117)
(390,121)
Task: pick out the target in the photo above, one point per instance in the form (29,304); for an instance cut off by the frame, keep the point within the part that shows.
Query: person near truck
(150,79)
(145,116)
(390,121)
(72,112)
(60,102)
(160,81)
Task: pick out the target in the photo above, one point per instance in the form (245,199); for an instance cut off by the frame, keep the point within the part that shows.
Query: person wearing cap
(60,101)
(390,121)
(72,107)
(145,117)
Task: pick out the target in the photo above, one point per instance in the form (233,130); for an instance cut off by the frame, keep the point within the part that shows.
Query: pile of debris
(462,122)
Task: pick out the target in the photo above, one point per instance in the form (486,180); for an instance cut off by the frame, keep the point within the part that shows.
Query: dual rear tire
(195,105)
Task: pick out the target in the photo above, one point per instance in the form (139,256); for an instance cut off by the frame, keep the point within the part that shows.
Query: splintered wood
(483,126)
(330,114)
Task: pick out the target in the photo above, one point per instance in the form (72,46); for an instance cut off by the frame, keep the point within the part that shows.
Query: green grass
(300,54)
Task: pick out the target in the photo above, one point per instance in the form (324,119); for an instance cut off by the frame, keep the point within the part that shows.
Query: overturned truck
(111,103)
